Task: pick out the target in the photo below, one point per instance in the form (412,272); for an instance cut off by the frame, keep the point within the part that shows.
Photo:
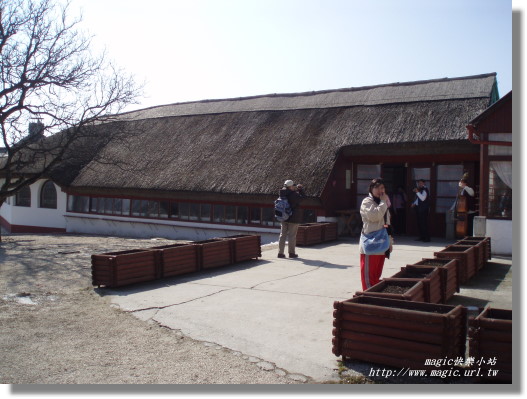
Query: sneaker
(281,255)
(293,255)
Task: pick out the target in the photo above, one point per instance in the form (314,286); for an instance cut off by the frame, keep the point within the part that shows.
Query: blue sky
(205,49)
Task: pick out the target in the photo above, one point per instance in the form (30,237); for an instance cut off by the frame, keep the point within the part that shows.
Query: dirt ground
(55,329)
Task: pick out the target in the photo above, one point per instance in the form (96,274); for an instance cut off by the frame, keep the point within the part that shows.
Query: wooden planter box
(466,255)
(398,333)
(402,290)
(490,336)
(481,251)
(486,243)
(472,258)
(245,247)
(213,253)
(115,269)
(176,259)
(329,231)
(309,234)
(430,276)
(449,271)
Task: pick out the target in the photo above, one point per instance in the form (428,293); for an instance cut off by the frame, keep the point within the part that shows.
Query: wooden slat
(391,347)
(390,322)
(403,332)
(178,272)
(403,314)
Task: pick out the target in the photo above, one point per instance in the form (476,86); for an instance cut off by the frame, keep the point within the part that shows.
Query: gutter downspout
(472,132)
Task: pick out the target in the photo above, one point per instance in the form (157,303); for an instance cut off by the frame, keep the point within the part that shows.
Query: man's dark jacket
(423,206)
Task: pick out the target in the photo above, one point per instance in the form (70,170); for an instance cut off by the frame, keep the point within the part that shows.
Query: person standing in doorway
(294,193)
(470,195)
(375,216)
(421,205)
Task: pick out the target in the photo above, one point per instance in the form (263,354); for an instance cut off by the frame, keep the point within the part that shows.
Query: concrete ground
(281,310)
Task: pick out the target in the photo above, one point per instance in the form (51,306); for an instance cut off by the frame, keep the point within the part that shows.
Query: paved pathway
(280,311)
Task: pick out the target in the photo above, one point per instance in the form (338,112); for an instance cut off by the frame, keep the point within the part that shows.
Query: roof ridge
(315,92)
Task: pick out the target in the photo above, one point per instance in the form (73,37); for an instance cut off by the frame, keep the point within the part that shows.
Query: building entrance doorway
(395,181)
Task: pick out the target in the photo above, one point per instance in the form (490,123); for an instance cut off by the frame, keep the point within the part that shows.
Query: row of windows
(186,211)
(47,197)
(444,192)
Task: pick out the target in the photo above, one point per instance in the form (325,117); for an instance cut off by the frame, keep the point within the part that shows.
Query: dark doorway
(394,176)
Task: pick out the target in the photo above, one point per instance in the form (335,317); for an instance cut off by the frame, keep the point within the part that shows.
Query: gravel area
(55,329)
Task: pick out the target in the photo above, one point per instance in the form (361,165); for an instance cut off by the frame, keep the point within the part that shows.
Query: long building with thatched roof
(198,169)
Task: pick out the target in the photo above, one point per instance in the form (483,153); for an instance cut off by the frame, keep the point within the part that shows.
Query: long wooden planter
(430,276)
(398,333)
(216,252)
(177,259)
(490,337)
(329,231)
(466,257)
(413,290)
(309,234)
(316,233)
(481,255)
(116,269)
(486,242)
(245,246)
(449,271)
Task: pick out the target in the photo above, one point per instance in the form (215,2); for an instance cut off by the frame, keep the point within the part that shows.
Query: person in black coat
(421,205)
(294,194)
(470,195)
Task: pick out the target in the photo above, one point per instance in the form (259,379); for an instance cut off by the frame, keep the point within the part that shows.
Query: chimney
(36,128)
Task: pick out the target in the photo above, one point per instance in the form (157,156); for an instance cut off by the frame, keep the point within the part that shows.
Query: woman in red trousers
(375,216)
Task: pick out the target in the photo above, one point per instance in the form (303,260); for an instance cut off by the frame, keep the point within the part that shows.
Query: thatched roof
(63,155)
(429,90)
(251,145)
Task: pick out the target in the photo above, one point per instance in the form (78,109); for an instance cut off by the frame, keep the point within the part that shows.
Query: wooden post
(483,179)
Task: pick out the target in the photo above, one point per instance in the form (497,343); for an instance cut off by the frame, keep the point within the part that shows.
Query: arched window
(23,197)
(48,195)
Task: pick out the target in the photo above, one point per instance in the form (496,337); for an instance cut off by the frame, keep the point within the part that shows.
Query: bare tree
(52,90)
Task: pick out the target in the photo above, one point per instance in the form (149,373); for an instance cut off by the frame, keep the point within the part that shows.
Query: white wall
(500,233)
(176,230)
(34,215)
(6,210)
